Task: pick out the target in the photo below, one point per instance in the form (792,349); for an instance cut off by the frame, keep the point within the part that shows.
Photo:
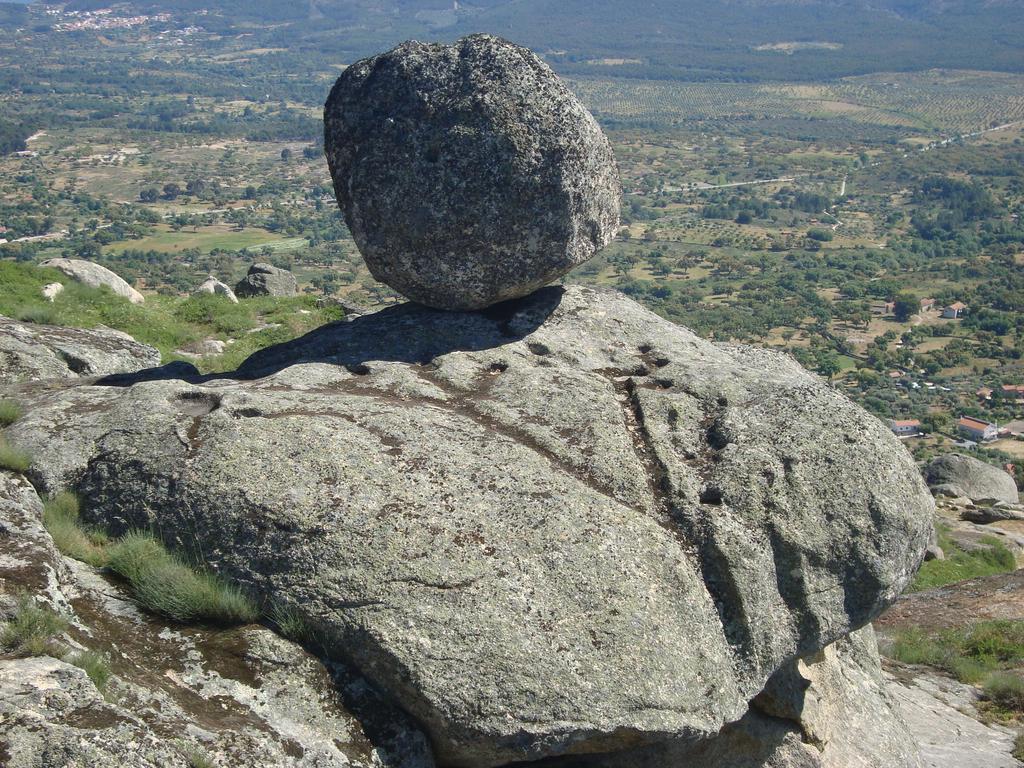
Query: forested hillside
(665,39)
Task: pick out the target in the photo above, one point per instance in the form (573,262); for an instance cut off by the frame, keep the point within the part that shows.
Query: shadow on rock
(408,333)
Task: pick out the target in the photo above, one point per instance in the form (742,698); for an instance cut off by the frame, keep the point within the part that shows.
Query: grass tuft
(1018,747)
(1006,691)
(13,458)
(95,665)
(198,759)
(60,517)
(10,412)
(164,584)
(290,624)
(961,565)
(31,630)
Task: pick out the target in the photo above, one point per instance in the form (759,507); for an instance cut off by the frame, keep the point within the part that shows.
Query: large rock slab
(564,525)
(468,173)
(834,709)
(973,478)
(95,276)
(178,696)
(30,352)
(942,716)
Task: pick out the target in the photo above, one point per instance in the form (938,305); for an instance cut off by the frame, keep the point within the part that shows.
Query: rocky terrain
(29,351)
(619,540)
(554,531)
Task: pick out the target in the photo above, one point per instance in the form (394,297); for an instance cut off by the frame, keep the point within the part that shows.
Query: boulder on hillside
(95,276)
(214,286)
(203,348)
(52,290)
(29,352)
(266,280)
(468,173)
(954,474)
(560,526)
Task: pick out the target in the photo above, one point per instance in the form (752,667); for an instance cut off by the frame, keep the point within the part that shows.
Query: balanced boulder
(954,474)
(468,173)
(565,527)
(266,280)
(95,276)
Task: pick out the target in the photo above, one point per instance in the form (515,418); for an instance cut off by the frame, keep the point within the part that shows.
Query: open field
(939,103)
(206,239)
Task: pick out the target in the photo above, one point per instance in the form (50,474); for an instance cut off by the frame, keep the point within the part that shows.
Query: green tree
(828,364)
(905,305)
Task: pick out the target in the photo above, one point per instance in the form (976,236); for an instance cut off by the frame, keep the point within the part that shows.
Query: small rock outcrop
(562,526)
(954,474)
(95,276)
(203,348)
(29,351)
(216,287)
(468,173)
(52,290)
(266,280)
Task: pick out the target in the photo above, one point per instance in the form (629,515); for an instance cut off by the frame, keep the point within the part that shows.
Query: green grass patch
(960,565)
(164,584)
(32,629)
(165,322)
(161,581)
(1005,690)
(10,412)
(1018,747)
(14,458)
(971,654)
(61,519)
(206,239)
(290,624)
(95,665)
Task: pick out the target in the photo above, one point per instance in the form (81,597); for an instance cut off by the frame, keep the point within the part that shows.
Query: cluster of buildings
(102,19)
(954,311)
(1008,392)
(973,431)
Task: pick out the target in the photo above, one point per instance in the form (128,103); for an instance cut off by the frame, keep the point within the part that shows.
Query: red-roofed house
(955,311)
(905,427)
(976,429)
(1011,392)
(927,304)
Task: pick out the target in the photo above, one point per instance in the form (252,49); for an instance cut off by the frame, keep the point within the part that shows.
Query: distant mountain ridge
(687,39)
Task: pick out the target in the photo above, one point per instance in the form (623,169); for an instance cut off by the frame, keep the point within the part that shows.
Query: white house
(905,427)
(955,311)
(976,429)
